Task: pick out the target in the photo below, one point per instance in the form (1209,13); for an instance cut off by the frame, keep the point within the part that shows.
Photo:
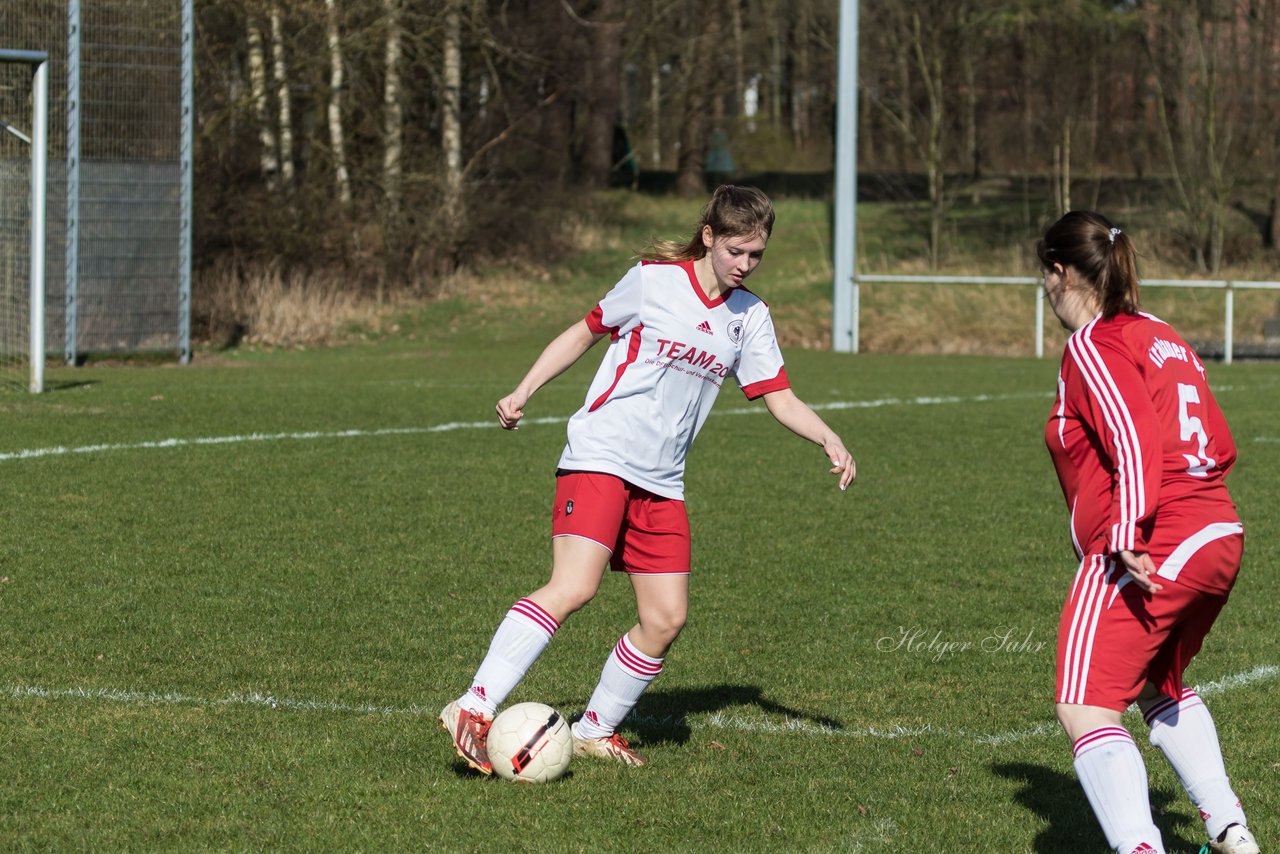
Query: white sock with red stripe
(521,637)
(1115,781)
(1185,734)
(626,674)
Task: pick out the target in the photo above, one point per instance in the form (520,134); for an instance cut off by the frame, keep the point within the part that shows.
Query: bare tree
(336,129)
(280,76)
(268,158)
(700,63)
(800,81)
(1183,44)
(924,129)
(603,85)
(453,212)
(392,112)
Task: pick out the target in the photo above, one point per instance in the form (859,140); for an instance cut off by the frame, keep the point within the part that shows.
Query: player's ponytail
(1100,253)
(733,211)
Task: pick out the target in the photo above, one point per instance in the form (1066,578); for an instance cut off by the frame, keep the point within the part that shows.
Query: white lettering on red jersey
(1137,438)
(671,349)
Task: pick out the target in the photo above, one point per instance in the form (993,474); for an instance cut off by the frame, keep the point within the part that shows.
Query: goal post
(37,141)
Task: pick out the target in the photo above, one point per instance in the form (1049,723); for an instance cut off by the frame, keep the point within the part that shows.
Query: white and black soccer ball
(530,743)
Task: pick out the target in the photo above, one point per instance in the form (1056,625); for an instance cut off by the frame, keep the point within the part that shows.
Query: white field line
(253,698)
(299,436)
(60,451)
(718,720)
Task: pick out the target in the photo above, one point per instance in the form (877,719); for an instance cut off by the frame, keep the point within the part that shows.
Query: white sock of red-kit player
(1115,781)
(626,674)
(521,637)
(1184,732)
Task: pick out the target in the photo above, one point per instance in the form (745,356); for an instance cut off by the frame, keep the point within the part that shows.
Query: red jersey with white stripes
(671,348)
(1139,443)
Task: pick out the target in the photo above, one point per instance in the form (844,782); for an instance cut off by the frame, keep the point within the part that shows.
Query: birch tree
(453,209)
(280,76)
(268,159)
(392,112)
(336,130)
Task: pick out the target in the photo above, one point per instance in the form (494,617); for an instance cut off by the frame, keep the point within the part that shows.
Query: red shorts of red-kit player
(1113,638)
(645,533)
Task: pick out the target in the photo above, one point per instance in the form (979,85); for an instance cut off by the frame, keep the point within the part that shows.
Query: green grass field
(243,644)
(234,596)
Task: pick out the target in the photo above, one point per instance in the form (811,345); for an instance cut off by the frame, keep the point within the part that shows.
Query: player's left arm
(794,414)
(1114,402)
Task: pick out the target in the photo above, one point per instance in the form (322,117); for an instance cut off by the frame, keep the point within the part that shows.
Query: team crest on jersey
(735,331)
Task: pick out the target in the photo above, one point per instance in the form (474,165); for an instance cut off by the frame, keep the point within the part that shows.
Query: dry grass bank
(273,307)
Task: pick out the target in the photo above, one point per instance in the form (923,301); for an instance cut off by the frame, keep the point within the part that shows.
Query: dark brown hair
(732,212)
(1101,254)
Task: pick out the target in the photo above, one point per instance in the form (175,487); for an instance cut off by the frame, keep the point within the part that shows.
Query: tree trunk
(393,113)
(776,66)
(968,68)
(336,131)
(929,64)
(867,132)
(1065,175)
(1273,221)
(268,160)
(280,74)
(904,109)
(453,209)
(451,117)
(1188,124)
(739,60)
(603,84)
(701,57)
(800,81)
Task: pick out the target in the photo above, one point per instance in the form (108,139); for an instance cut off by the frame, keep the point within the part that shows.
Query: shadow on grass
(1057,799)
(67,385)
(463,771)
(663,716)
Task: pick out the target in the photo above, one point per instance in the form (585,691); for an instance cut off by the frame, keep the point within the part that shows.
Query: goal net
(23,173)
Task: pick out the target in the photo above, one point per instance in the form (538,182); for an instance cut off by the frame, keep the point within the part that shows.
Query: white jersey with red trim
(1139,443)
(671,349)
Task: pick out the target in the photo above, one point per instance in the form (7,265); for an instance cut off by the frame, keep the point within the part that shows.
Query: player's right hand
(1141,568)
(510,410)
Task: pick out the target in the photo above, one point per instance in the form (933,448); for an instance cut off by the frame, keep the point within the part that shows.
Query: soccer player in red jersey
(679,324)
(1141,451)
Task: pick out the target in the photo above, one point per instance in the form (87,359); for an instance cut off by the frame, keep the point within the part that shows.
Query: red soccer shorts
(644,533)
(1113,638)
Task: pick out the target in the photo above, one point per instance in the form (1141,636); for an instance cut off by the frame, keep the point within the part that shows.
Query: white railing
(1227,285)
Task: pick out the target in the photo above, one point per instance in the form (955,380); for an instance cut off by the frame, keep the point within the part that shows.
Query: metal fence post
(1039,323)
(1228,330)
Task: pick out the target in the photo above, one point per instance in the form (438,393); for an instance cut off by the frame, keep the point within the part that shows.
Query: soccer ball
(530,743)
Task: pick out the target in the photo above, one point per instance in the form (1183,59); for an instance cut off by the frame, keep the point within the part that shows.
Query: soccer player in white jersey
(680,324)
(1142,451)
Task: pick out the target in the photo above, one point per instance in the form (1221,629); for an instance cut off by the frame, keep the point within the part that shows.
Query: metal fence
(118,247)
(1228,287)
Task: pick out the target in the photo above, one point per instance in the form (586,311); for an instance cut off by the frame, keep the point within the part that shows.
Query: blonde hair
(732,212)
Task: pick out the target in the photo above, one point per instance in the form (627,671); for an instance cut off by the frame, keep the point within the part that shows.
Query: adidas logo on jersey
(705,327)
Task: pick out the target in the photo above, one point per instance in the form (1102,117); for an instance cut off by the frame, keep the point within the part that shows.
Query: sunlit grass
(241,644)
